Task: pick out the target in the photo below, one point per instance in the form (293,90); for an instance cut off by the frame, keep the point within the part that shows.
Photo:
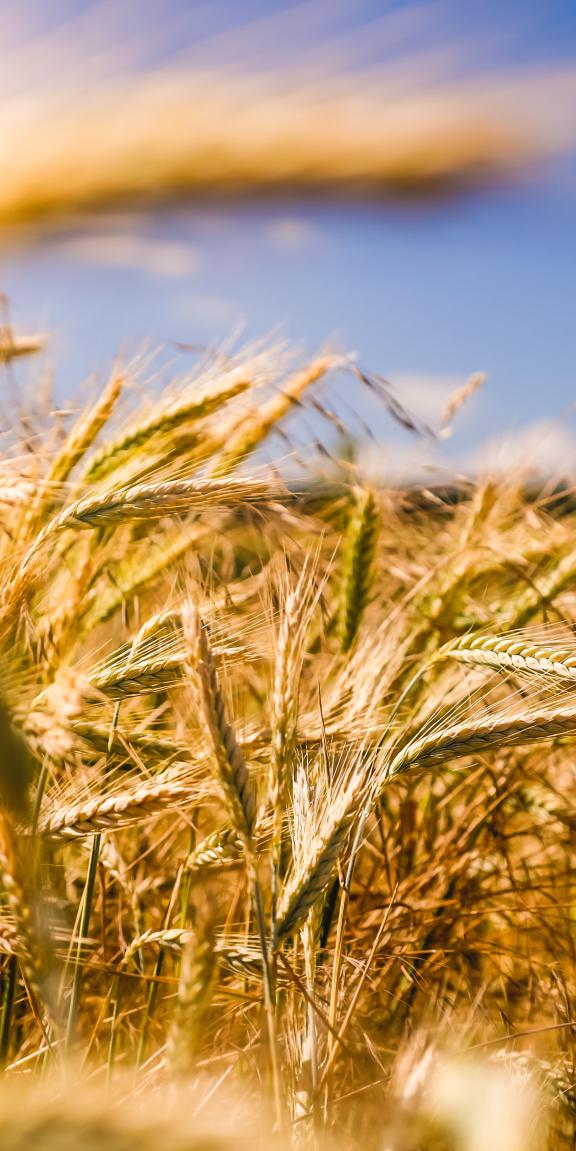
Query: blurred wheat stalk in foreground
(285,778)
(174,134)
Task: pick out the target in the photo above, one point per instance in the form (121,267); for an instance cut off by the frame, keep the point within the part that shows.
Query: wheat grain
(223,848)
(516,653)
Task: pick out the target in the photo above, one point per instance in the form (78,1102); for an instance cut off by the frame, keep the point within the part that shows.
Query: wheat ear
(30,941)
(243,961)
(299,899)
(475,737)
(85,431)
(166,420)
(239,794)
(195,988)
(133,575)
(223,848)
(358,557)
(151,798)
(253,426)
(514,654)
(550,585)
(322,819)
(432,749)
(139,677)
(298,606)
(153,500)
(231,771)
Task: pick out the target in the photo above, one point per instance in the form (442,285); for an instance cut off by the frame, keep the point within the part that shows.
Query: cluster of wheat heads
(285,776)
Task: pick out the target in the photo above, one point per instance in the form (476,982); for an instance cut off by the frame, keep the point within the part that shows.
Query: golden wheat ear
(231,771)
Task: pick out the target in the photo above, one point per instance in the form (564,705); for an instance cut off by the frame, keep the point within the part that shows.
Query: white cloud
(543,446)
(154,257)
(545,449)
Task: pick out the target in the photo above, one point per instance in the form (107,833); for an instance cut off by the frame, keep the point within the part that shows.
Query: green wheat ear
(359,545)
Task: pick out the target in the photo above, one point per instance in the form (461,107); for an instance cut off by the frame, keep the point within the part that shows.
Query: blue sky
(425,295)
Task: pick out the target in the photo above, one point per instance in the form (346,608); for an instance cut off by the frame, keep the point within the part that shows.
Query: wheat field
(286,824)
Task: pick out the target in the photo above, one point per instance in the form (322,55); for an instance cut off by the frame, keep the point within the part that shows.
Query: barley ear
(515,653)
